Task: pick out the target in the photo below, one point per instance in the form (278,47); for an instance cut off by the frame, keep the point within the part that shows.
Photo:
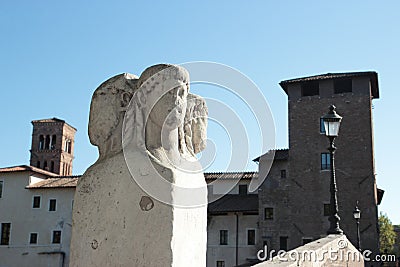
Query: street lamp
(357,215)
(332,123)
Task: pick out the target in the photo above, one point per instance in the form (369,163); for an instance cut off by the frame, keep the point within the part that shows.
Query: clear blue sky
(55,53)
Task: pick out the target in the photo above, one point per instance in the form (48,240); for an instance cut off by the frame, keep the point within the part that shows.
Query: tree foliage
(387,235)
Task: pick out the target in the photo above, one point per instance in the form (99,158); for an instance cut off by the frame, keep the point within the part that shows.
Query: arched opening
(67,147)
(53,142)
(45,165)
(47,142)
(41,142)
(38,164)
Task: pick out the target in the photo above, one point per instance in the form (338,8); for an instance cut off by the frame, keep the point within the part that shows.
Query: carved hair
(139,109)
(195,121)
(108,117)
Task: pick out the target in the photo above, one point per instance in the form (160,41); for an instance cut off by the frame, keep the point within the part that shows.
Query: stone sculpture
(137,205)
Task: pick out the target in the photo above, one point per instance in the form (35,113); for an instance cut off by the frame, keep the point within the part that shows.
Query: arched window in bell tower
(67,147)
(41,142)
(53,142)
(47,142)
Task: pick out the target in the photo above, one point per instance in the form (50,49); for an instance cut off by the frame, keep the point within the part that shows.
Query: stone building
(53,146)
(294,199)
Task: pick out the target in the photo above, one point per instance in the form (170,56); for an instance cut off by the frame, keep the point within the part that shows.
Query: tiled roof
(280,154)
(371,74)
(49,120)
(22,168)
(230,175)
(59,182)
(235,203)
(71,181)
(52,120)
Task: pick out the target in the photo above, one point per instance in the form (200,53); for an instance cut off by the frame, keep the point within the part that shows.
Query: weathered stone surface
(144,205)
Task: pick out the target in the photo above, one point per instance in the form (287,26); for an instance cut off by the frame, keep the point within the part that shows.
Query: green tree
(387,236)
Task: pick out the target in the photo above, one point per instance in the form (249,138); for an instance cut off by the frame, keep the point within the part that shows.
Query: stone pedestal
(115,223)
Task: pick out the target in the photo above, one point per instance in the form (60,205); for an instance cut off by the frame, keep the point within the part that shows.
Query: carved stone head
(107,108)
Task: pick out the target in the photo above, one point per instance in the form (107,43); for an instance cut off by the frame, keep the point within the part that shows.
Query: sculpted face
(169,109)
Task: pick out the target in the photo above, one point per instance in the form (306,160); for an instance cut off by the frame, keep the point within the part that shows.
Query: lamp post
(357,215)
(332,123)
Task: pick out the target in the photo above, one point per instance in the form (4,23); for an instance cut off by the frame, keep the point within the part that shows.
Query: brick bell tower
(53,146)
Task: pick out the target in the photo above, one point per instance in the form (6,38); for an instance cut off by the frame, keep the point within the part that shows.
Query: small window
(283,174)
(1,189)
(38,164)
(56,237)
(310,88)
(268,213)
(307,240)
(33,238)
(220,263)
(325,161)
(36,202)
(327,209)
(243,189)
(321,126)
(52,205)
(251,237)
(342,86)
(5,234)
(223,237)
(283,243)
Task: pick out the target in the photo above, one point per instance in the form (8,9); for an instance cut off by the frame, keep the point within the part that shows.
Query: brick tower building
(295,197)
(53,146)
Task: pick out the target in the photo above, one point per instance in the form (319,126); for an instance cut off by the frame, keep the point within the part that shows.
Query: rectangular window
(310,88)
(36,202)
(5,234)
(1,189)
(283,174)
(56,237)
(283,243)
(342,86)
(327,209)
(220,263)
(268,213)
(251,237)
(321,126)
(307,240)
(325,161)
(223,237)
(243,189)
(33,238)
(52,205)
